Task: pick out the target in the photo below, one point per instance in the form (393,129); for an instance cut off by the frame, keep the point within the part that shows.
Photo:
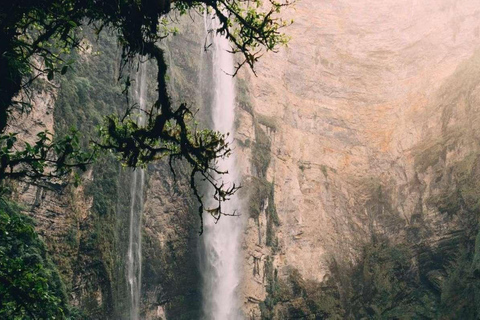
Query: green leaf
(64,70)
(50,75)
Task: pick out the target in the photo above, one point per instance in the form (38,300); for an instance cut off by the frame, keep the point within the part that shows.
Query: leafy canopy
(36,35)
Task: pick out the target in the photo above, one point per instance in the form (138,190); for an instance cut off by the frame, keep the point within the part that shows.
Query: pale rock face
(362,90)
(28,124)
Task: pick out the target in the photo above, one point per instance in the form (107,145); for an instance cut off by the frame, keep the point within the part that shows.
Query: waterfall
(134,254)
(221,242)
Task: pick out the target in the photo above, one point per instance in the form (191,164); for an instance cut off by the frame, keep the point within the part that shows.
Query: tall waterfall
(134,255)
(221,241)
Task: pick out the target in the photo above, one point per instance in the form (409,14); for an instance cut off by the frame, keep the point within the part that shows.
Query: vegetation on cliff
(36,35)
(30,286)
(36,43)
(386,282)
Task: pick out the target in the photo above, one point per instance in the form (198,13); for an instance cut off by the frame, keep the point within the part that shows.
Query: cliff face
(365,127)
(86,228)
(371,116)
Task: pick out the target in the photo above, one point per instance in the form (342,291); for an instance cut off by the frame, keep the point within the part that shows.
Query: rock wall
(365,126)
(86,227)
(370,114)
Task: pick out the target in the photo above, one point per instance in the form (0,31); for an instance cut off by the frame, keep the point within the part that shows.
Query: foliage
(269,122)
(36,35)
(30,286)
(259,190)
(296,297)
(32,163)
(460,288)
(272,219)
(86,94)
(261,155)
(385,285)
(36,42)
(389,283)
(386,282)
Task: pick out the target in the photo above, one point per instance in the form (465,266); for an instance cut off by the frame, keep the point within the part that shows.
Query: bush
(30,286)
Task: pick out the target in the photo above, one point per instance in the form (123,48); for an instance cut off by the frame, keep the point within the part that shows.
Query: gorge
(355,146)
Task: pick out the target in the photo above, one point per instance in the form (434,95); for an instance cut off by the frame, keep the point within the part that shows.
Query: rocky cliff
(85,228)
(370,118)
(358,144)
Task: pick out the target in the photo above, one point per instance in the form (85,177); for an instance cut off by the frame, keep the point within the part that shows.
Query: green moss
(294,297)
(71,237)
(258,193)
(87,92)
(461,195)
(272,220)
(261,152)
(260,190)
(324,171)
(104,187)
(243,96)
(244,144)
(269,122)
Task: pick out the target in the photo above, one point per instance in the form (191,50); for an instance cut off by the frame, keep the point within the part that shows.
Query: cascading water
(134,254)
(221,241)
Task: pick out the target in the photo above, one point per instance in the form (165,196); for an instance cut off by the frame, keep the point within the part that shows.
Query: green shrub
(30,286)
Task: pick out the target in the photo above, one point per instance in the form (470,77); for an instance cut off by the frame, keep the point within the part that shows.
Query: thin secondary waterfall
(134,255)
(221,264)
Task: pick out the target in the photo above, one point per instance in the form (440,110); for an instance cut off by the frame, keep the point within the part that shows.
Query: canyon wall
(371,120)
(365,127)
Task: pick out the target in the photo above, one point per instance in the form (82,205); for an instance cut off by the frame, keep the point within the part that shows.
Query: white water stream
(134,254)
(221,242)
(221,263)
